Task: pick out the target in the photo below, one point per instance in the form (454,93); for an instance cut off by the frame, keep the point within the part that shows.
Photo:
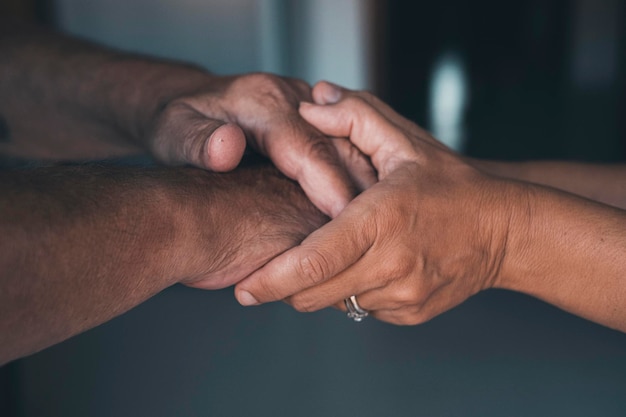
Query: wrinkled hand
(208,129)
(431,233)
(229,225)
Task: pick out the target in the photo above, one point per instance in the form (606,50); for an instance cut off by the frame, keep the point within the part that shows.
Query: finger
(223,149)
(384,278)
(357,279)
(411,315)
(265,106)
(322,255)
(396,295)
(325,92)
(410,305)
(185,136)
(372,273)
(357,165)
(406,316)
(369,130)
(304,154)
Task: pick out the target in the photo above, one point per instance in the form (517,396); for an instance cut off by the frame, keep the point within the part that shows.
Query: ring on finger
(355,312)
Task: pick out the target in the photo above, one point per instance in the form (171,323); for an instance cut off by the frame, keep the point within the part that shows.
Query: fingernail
(246,299)
(331,93)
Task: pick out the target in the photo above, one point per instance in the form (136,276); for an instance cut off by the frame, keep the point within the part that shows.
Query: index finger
(304,154)
(324,254)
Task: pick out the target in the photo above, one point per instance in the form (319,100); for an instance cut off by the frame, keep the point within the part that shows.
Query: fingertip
(338,205)
(224,149)
(305,105)
(245,298)
(330,192)
(325,92)
(308,110)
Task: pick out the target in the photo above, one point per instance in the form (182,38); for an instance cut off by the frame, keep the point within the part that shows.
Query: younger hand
(431,233)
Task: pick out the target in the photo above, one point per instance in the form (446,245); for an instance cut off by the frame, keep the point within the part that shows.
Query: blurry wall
(308,39)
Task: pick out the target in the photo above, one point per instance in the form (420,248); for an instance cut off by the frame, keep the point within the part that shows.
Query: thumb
(185,136)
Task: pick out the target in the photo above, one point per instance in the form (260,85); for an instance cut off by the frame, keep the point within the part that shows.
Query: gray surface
(189,353)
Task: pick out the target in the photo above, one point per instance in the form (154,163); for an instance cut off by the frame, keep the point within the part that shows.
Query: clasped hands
(426,232)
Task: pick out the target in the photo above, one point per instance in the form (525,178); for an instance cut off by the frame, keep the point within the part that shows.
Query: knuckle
(265,95)
(411,316)
(168,113)
(300,85)
(412,320)
(267,291)
(356,101)
(397,267)
(321,149)
(169,121)
(367,96)
(407,295)
(261,78)
(313,268)
(302,304)
(266,85)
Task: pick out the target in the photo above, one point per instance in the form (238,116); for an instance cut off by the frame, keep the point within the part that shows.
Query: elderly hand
(83,244)
(232,224)
(431,233)
(208,128)
(93,103)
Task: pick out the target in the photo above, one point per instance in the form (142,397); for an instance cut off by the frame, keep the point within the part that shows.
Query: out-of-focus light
(448,98)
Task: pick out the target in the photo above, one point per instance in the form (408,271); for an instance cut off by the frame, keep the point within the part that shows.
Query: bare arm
(81,245)
(605,183)
(568,251)
(63,98)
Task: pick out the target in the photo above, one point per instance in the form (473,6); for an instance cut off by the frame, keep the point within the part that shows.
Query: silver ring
(355,312)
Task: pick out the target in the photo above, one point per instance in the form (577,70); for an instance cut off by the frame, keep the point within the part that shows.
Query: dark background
(546,80)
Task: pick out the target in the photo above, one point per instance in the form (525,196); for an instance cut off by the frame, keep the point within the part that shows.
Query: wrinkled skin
(413,245)
(85,244)
(209,127)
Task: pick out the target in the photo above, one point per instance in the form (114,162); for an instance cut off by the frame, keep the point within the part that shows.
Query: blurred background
(506,80)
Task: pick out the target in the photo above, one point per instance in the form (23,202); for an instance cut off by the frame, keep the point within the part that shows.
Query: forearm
(86,101)
(569,252)
(79,246)
(603,183)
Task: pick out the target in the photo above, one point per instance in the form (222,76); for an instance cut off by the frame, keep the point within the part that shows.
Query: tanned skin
(435,230)
(81,245)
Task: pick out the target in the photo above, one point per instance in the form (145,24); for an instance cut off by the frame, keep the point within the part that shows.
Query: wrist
(521,217)
(501,169)
(511,215)
(142,89)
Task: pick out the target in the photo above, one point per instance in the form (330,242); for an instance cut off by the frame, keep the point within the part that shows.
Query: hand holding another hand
(432,232)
